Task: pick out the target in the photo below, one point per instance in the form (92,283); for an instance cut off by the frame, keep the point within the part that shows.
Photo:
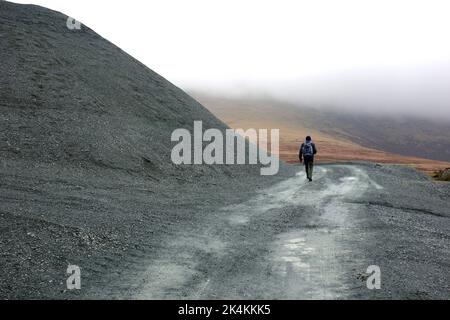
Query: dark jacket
(300,155)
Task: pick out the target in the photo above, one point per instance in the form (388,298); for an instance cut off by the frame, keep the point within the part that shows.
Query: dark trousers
(309,166)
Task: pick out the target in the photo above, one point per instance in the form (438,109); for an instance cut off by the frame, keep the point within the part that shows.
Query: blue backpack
(308,149)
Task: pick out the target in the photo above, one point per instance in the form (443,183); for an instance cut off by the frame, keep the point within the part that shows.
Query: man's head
(308,138)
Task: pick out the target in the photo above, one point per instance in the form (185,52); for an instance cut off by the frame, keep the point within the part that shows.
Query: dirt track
(300,240)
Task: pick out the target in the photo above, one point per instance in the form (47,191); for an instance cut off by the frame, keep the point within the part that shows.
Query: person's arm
(314,148)
(300,153)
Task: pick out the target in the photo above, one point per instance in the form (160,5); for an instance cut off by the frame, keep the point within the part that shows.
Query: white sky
(321,51)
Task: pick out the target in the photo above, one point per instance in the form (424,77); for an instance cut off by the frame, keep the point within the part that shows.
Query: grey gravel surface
(301,240)
(86,179)
(85,166)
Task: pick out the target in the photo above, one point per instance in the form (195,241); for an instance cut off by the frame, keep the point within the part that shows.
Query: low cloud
(374,56)
(418,91)
(412,91)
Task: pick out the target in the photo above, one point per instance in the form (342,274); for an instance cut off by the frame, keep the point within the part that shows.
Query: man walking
(307,152)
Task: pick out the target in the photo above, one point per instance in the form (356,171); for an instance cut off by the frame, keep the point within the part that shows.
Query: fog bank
(378,56)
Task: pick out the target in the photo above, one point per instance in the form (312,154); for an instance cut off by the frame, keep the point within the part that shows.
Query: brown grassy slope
(294,126)
(442,175)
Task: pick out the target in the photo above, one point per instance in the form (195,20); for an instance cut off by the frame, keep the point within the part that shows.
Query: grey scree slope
(85,170)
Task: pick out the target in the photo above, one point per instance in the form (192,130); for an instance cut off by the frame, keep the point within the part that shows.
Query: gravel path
(300,240)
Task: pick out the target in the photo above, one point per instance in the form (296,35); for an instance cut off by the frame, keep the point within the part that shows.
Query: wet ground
(298,240)
(283,238)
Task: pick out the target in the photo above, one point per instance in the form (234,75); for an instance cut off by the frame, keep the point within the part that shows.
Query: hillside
(86,175)
(69,97)
(341,136)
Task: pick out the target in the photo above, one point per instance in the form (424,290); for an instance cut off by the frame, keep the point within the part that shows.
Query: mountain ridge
(343,137)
